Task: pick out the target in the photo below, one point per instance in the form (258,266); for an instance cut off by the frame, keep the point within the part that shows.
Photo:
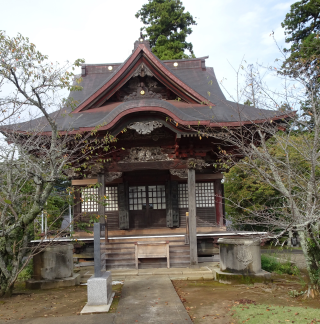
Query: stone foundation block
(55,283)
(99,289)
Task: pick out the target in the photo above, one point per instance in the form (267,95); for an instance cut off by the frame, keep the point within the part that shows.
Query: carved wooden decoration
(145,154)
(145,127)
(197,163)
(181,173)
(142,93)
(142,71)
(110,176)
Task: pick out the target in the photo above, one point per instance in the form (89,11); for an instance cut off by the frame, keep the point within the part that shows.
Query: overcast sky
(104,31)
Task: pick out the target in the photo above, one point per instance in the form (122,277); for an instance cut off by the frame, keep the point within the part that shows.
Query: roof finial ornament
(141,40)
(141,36)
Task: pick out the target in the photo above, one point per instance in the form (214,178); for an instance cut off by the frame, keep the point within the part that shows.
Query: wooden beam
(83,182)
(210,176)
(192,217)
(218,202)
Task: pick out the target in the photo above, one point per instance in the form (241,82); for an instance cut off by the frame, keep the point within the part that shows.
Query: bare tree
(35,153)
(283,151)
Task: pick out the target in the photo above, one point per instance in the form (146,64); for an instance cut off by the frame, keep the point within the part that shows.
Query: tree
(302,25)
(283,155)
(35,154)
(246,194)
(167,26)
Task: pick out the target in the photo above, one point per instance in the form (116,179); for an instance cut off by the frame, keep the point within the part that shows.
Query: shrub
(272,264)
(26,273)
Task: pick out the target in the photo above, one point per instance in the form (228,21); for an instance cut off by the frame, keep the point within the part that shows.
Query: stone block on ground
(55,283)
(240,255)
(99,289)
(54,262)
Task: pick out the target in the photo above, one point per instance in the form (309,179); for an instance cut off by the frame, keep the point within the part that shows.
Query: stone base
(99,289)
(237,278)
(97,309)
(55,283)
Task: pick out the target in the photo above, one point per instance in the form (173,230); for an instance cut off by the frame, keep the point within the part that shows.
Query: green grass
(271,264)
(262,314)
(117,289)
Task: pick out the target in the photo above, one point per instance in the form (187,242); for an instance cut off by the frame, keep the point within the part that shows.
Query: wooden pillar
(102,208)
(192,217)
(77,203)
(218,201)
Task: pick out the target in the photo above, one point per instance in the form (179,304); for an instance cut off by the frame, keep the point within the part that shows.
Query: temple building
(162,183)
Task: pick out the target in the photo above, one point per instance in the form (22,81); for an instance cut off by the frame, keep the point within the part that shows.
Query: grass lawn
(259,314)
(210,302)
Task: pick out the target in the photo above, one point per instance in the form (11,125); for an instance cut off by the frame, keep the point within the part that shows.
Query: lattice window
(140,196)
(89,198)
(112,198)
(157,197)
(137,198)
(183,195)
(204,195)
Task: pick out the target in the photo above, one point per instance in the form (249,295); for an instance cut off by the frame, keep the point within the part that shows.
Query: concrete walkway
(150,299)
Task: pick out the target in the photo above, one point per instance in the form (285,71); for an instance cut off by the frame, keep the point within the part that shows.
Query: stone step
(121,266)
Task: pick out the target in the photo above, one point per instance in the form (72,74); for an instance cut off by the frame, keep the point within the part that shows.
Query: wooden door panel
(157,218)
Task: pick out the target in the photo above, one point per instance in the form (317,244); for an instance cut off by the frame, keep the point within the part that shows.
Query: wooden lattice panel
(89,199)
(204,194)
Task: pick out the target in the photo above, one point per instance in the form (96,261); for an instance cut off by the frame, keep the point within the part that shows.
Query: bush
(272,264)
(27,272)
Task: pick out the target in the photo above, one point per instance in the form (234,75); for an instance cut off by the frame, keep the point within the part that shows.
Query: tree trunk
(312,257)
(5,288)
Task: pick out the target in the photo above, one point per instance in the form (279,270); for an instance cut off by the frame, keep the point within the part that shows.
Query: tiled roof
(191,72)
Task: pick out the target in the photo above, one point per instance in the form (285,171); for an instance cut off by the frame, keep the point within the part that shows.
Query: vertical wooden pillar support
(101,208)
(77,203)
(192,217)
(218,201)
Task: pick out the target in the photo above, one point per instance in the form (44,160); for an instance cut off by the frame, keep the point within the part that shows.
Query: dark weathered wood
(77,203)
(101,207)
(192,217)
(172,204)
(123,206)
(218,202)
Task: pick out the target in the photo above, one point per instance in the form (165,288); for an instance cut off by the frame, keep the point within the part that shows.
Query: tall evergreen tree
(167,26)
(302,29)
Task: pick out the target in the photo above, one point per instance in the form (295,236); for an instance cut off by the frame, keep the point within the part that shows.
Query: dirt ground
(48,303)
(211,302)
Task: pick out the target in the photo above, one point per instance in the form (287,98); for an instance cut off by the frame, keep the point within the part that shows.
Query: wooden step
(148,239)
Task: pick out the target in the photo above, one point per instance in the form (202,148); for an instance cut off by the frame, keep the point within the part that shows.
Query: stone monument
(53,268)
(99,286)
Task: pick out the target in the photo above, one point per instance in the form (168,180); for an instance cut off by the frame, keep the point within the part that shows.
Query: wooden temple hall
(164,170)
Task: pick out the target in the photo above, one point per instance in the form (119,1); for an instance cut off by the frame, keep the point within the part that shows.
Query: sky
(104,31)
